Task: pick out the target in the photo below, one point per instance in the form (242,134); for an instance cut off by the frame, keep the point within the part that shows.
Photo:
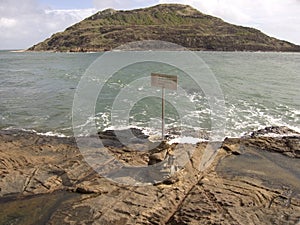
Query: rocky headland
(174,23)
(251,180)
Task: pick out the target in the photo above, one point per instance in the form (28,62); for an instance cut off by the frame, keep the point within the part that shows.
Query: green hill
(180,24)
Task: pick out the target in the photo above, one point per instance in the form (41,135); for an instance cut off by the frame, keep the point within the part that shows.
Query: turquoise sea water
(260,89)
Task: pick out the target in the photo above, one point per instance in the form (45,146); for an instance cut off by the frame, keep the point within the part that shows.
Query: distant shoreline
(21,50)
(53,51)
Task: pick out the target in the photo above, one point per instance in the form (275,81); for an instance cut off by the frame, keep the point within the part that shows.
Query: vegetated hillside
(180,24)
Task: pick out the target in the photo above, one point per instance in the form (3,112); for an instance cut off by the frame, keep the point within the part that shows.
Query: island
(175,23)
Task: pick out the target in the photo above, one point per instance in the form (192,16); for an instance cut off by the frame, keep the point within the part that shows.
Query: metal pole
(163,113)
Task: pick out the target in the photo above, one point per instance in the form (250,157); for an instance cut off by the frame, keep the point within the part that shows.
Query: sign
(164,81)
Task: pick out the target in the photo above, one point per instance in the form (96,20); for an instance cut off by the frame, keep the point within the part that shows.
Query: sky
(24,23)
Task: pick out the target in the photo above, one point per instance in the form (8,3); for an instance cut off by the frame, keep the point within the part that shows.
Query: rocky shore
(250,180)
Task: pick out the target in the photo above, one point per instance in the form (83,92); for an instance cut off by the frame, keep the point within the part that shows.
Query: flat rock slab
(252,180)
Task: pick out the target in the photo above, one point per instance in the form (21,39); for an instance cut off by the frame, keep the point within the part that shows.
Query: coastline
(81,119)
(118,50)
(233,189)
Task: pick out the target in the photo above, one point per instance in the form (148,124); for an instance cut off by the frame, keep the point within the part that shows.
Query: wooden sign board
(164,81)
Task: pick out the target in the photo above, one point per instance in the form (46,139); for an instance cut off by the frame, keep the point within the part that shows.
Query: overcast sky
(26,22)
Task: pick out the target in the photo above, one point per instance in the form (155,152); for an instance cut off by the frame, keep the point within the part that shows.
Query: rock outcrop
(251,180)
(179,24)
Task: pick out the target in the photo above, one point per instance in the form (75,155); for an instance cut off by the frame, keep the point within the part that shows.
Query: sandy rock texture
(249,180)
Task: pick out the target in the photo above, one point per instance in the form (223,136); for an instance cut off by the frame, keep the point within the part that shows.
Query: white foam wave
(52,134)
(186,140)
(243,117)
(49,133)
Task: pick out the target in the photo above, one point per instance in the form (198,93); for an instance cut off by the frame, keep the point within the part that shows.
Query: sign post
(162,113)
(165,82)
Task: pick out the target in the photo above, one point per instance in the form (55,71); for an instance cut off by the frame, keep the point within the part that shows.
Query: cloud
(123,4)
(27,22)
(7,22)
(274,17)
(24,23)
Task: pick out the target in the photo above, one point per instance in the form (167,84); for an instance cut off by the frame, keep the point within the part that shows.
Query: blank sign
(164,81)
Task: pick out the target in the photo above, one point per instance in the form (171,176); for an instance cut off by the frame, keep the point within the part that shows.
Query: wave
(174,135)
(48,133)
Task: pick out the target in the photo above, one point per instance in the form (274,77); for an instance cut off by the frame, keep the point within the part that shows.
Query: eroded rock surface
(251,180)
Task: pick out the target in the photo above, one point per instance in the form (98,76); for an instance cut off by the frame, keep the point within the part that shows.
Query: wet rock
(288,146)
(232,146)
(274,130)
(121,138)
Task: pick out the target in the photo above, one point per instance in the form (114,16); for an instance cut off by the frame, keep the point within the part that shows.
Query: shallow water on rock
(29,210)
(273,169)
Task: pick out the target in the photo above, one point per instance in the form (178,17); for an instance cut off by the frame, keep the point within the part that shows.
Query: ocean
(39,90)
